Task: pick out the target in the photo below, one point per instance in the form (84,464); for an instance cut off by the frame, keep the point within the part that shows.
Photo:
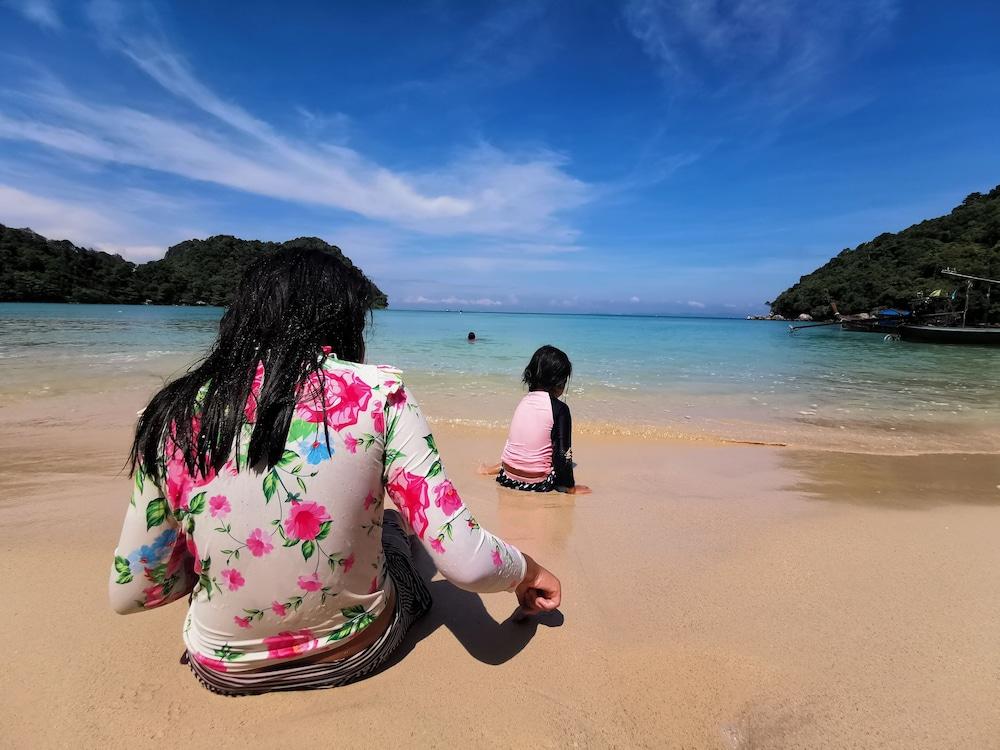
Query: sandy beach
(714,597)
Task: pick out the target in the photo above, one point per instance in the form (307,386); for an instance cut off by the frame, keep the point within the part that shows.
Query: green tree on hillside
(894,269)
(36,269)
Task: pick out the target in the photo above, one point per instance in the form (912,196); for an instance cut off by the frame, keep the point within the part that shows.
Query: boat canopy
(893,313)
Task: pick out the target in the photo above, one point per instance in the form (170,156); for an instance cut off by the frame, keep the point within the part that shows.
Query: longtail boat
(950,335)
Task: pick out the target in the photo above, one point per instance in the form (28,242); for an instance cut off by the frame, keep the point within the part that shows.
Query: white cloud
(768,50)
(484,263)
(481,190)
(101,221)
(564,302)
(494,192)
(452,300)
(335,125)
(696,304)
(633,299)
(53,218)
(42,12)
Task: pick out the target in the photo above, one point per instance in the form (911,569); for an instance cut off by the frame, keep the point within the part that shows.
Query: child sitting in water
(538,456)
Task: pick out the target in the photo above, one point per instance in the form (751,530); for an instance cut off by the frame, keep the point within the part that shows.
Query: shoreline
(445,407)
(692,379)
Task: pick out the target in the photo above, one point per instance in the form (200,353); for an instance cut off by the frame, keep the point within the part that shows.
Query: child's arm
(562,444)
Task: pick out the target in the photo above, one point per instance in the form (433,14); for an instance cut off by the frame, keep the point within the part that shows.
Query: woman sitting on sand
(259,478)
(538,456)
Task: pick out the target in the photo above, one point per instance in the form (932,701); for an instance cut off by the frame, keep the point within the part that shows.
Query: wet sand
(715,597)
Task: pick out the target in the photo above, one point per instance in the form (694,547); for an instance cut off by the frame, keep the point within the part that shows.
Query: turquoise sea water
(734,378)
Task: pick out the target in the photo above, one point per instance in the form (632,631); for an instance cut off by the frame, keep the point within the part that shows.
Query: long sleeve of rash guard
(562,444)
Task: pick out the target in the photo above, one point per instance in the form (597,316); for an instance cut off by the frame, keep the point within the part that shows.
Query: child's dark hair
(548,369)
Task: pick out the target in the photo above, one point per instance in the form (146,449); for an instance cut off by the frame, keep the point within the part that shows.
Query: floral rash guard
(290,561)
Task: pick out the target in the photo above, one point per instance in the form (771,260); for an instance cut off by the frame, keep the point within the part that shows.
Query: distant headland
(194,272)
(892,270)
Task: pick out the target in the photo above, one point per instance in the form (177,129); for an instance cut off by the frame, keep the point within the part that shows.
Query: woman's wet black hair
(287,307)
(548,369)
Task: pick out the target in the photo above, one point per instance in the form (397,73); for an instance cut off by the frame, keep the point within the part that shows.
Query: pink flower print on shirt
(192,547)
(218,506)
(378,417)
(179,482)
(396,398)
(374,587)
(250,410)
(305,519)
(448,499)
(345,397)
(154,596)
(279,609)
(497,562)
(290,643)
(258,544)
(351,443)
(217,664)
(348,563)
(409,492)
(437,546)
(369,500)
(310,583)
(177,558)
(233,578)
(243,622)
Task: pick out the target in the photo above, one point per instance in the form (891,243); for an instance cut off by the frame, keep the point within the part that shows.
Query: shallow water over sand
(701,378)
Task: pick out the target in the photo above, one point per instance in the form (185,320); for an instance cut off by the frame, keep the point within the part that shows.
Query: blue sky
(648,156)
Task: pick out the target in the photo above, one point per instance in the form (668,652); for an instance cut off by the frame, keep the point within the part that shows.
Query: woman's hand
(488,470)
(579,489)
(540,591)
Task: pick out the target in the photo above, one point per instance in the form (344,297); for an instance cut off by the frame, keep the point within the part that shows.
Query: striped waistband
(529,484)
(412,601)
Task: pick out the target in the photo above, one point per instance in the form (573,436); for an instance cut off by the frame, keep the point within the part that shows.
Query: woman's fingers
(540,591)
(546,604)
(547,590)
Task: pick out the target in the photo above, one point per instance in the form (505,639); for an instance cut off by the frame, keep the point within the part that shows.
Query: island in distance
(894,269)
(194,272)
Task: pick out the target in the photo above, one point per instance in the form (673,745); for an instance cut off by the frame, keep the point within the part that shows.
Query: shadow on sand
(464,614)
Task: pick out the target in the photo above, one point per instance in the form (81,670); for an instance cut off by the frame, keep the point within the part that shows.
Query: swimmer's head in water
(548,370)
(472,336)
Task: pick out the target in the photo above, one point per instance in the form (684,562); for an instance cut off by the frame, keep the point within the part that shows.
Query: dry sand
(714,597)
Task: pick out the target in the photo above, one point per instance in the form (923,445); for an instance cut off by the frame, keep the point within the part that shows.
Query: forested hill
(894,269)
(36,269)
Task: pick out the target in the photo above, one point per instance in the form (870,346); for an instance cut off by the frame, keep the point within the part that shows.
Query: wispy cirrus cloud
(481,190)
(505,46)
(771,51)
(41,12)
